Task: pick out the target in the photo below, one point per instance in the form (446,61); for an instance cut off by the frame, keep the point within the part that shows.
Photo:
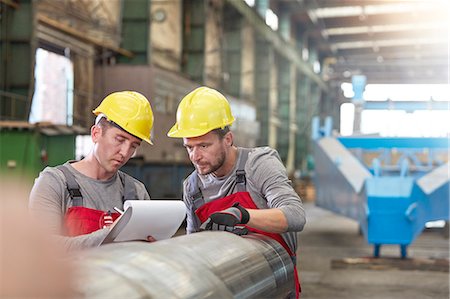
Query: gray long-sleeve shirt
(267,183)
(50,200)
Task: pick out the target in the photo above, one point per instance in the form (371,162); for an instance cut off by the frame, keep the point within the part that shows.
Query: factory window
(272,20)
(53,94)
(250,3)
(83,145)
(347,118)
(399,123)
(398,110)
(316,67)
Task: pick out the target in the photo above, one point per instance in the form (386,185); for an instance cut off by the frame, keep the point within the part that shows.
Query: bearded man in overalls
(234,189)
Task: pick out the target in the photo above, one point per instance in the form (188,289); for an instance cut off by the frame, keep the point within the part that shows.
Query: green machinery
(27,148)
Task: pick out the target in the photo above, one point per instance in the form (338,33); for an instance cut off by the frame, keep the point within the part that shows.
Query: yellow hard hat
(131,111)
(200,112)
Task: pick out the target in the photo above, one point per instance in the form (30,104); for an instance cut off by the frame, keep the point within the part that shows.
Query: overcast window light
(407,92)
(250,3)
(401,92)
(53,96)
(399,123)
(331,12)
(387,43)
(305,54)
(272,20)
(83,145)
(347,119)
(383,28)
(316,67)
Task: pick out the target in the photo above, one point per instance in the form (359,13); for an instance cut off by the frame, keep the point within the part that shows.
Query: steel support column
(194,39)
(136,31)
(303,120)
(232,50)
(284,81)
(17,56)
(263,52)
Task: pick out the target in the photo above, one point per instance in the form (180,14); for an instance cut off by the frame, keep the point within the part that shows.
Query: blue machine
(405,184)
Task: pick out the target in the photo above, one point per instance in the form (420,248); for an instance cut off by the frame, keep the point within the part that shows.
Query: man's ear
(96,132)
(228,138)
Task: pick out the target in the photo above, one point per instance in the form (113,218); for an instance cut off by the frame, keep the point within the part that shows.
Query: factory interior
(353,95)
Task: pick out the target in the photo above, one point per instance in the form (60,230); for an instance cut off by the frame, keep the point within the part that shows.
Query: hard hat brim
(177,133)
(146,139)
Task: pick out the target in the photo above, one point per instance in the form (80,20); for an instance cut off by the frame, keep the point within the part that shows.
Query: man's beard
(214,167)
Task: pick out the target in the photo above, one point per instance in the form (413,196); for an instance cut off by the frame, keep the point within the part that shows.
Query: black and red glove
(226,220)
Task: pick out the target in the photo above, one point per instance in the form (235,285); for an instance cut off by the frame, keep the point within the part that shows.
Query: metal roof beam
(412,34)
(363,9)
(393,76)
(377,44)
(411,49)
(398,18)
(406,105)
(383,62)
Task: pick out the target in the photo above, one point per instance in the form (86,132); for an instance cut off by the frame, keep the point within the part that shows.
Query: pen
(118,210)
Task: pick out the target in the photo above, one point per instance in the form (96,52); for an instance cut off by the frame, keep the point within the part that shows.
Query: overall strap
(194,192)
(129,188)
(195,196)
(241,181)
(72,186)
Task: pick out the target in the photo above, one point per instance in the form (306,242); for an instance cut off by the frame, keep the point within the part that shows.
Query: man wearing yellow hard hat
(76,200)
(232,188)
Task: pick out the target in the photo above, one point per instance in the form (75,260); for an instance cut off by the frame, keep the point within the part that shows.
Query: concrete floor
(328,237)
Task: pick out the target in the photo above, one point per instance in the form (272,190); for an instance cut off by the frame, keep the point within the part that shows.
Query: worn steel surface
(201,265)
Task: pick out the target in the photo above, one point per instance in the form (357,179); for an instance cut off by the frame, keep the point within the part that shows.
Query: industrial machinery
(28,148)
(201,265)
(391,186)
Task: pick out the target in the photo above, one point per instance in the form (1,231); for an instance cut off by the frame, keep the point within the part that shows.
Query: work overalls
(203,210)
(80,220)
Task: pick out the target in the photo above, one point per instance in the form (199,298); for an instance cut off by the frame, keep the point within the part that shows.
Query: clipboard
(117,227)
(142,218)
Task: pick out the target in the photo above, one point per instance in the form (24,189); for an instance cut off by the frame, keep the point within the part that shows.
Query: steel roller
(201,265)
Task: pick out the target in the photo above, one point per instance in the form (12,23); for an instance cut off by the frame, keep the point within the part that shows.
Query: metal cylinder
(200,265)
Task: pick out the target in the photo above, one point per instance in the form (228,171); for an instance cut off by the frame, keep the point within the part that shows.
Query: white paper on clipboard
(142,218)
